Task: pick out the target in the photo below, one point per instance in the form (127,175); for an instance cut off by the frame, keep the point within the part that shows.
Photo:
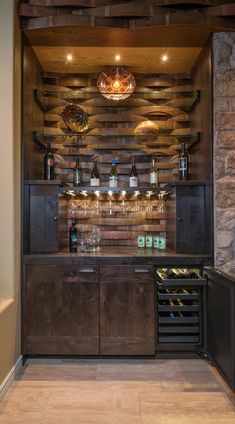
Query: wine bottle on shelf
(77,174)
(193,274)
(183,164)
(49,163)
(113,176)
(73,237)
(95,177)
(153,176)
(133,179)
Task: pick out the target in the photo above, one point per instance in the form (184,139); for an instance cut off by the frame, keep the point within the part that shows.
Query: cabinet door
(62,310)
(44,218)
(127,324)
(190,219)
(221,323)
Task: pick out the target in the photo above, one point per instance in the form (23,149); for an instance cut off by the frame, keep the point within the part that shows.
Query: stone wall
(224,150)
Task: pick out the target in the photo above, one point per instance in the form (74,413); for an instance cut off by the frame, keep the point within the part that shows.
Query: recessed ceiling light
(69,57)
(165,57)
(117,57)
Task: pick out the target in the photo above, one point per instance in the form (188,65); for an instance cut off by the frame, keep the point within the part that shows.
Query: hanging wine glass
(136,206)
(162,203)
(85,203)
(149,207)
(97,202)
(123,202)
(110,203)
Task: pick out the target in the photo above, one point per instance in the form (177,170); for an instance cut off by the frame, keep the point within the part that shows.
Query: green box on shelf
(141,242)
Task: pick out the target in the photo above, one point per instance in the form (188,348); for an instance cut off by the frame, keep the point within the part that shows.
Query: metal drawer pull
(87,270)
(142,270)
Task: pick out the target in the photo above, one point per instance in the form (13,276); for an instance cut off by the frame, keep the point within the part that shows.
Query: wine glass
(123,202)
(162,204)
(110,204)
(96,236)
(149,207)
(136,206)
(97,202)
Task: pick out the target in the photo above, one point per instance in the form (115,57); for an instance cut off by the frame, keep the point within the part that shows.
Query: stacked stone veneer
(224,150)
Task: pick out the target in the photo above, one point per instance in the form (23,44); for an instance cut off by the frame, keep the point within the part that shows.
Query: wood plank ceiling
(129,14)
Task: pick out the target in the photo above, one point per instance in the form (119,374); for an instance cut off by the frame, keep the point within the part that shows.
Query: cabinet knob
(55,218)
(179,219)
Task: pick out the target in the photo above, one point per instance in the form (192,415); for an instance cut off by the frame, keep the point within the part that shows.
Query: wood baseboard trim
(5,385)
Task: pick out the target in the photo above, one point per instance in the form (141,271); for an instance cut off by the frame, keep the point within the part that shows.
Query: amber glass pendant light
(147,128)
(116,84)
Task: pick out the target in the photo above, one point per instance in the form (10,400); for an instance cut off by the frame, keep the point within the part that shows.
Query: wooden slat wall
(125,13)
(118,118)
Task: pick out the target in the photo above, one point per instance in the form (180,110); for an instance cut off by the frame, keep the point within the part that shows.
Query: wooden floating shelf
(179,99)
(190,137)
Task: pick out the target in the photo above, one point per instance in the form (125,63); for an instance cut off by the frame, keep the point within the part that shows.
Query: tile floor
(118,392)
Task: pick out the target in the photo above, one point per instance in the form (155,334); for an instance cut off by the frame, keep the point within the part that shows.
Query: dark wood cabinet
(127,320)
(190,219)
(62,310)
(77,310)
(221,323)
(43,218)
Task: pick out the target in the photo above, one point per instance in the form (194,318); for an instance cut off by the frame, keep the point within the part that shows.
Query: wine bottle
(183,164)
(193,274)
(77,174)
(153,175)
(133,179)
(113,177)
(95,178)
(49,163)
(73,238)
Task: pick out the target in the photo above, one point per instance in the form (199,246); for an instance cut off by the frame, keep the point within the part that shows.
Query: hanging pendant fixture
(75,118)
(116,84)
(147,128)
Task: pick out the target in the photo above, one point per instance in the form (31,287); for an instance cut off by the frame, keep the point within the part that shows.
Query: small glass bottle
(133,179)
(49,163)
(153,175)
(73,238)
(77,174)
(113,177)
(95,177)
(183,164)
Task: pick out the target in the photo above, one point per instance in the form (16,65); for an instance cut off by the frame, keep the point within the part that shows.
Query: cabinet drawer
(66,274)
(125,273)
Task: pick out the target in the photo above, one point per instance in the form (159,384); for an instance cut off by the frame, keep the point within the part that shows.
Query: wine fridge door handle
(143,271)
(86,270)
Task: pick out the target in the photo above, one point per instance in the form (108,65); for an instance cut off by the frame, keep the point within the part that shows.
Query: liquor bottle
(49,163)
(133,179)
(95,178)
(153,175)
(113,177)
(183,164)
(77,174)
(73,238)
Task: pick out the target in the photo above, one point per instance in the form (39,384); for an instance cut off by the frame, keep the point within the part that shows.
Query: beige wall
(10,187)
